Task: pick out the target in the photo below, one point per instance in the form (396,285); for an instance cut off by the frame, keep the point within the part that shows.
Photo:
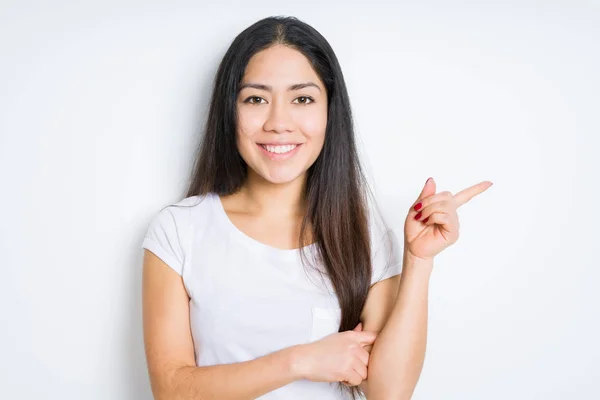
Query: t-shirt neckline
(250,241)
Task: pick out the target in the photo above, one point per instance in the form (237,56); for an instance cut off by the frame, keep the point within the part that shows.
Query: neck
(266,198)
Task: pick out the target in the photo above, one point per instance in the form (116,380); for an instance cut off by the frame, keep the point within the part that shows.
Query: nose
(279,119)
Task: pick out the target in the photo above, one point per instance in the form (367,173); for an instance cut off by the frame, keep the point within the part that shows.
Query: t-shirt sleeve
(162,239)
(386,253)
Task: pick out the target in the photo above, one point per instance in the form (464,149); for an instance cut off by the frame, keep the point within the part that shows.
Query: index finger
(467,194)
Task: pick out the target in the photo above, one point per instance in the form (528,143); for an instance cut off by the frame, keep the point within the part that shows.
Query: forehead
(279,63)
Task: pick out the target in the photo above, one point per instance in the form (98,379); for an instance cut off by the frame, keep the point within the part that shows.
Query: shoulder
(168,231)
(379,229)
(386,249)
(182,210)
(191,203)
(175,217)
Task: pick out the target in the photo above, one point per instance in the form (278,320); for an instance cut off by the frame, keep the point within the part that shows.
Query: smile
(279,152)
(279,149)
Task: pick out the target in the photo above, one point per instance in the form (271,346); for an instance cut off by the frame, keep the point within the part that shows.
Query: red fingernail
(418,206)
(425,220)
(418,215)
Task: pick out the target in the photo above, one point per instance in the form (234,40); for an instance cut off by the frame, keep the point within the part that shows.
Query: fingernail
(418,215)
(425,220)
(418,206)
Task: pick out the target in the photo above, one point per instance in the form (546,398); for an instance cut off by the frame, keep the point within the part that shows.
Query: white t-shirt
(248,299)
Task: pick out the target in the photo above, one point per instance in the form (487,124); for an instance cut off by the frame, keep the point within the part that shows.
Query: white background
(101,106)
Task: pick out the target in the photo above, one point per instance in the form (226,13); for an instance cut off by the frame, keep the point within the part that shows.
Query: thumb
(366,337)
(428,190)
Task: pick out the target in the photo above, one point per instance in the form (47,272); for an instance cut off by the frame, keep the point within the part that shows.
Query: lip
(279,157)
(280,144)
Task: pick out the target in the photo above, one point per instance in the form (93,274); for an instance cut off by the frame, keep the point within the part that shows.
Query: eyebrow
(268,88)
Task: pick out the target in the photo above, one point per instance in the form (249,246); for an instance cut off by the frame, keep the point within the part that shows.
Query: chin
(281,177)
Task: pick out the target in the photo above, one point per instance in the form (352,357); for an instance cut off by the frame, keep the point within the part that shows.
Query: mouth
(279,152)
(279,149)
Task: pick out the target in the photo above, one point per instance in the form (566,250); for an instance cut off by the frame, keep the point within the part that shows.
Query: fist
(339,357)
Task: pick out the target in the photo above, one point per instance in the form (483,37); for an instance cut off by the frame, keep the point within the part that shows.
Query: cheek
(245,144)
(248,125)
(250,120)
(314,128)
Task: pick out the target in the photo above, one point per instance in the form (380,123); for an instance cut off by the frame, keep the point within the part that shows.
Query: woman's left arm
(397,356)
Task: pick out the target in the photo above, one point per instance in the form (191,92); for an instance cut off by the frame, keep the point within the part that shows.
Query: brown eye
(253,98)
(306,98)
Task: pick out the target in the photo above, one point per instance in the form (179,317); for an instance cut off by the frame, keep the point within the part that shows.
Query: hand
(437,227)
(339,357)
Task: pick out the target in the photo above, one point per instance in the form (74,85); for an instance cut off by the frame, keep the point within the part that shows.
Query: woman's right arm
(170,350)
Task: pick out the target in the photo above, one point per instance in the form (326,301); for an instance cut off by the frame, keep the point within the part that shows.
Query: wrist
(412,262)
(296,361)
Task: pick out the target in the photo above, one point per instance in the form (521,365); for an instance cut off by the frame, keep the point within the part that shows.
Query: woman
(272,278)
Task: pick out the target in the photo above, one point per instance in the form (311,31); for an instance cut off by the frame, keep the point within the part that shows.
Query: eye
(252,98)
(305,99)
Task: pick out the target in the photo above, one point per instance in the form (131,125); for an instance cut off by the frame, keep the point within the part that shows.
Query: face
(281,125)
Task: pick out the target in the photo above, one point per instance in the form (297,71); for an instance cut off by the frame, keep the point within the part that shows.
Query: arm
(378,307)
(170,349)
(397,356)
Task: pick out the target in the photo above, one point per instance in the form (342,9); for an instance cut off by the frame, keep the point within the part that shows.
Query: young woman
(273,277)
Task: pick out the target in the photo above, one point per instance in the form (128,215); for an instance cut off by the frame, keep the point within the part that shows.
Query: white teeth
(279,149)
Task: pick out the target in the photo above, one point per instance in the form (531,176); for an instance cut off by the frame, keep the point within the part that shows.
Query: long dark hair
(336,189)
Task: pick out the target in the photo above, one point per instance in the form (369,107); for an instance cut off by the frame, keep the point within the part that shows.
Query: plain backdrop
(101,108)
